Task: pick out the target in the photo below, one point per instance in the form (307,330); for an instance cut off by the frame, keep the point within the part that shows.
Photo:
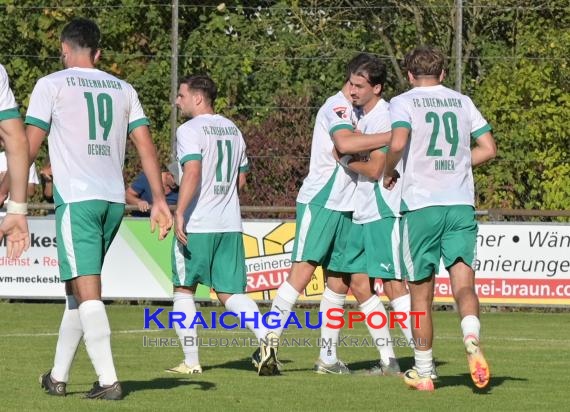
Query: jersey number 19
(105,114)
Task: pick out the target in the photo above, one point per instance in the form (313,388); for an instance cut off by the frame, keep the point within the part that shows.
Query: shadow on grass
(165,383)
(239,364)
(464,379)
(405,364)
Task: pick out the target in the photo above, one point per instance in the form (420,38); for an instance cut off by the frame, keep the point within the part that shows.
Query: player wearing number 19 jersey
(88,115)
(435,126)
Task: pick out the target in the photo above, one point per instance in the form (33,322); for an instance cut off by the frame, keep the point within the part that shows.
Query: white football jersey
(8,106)
(371,200)
(437,162)
(218,143)
(88,114)
(328,184)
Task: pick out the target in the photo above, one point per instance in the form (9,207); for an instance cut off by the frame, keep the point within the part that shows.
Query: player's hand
(46,173)
(390,181)
(143,206)
(179,228)
(160,214)
(15,228)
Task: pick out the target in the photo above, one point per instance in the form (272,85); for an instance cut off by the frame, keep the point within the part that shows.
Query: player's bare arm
(242,181)
(34,138)
(485,150)
(191,176)
(350,142)
(15,226)
(373,168)
(400,136)
(132,198)
(160,213)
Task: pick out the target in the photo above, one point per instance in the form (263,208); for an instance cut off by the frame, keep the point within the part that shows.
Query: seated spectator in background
(32,179)
(139,194)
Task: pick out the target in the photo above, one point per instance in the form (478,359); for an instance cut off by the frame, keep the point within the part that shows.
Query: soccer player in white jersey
(373,241)
(88,115)
(14,226)
(324,212)
(208,247)
(438,216)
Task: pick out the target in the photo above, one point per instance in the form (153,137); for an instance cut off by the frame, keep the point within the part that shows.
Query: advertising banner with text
(516,264)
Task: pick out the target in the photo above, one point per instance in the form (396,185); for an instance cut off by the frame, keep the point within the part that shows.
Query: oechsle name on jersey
(94,149)
(272,320)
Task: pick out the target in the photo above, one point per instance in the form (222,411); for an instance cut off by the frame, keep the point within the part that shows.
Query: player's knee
(395,289)
(301,274)
(399,289)
(421,302)
(464,293)
(337,285)
(361,290)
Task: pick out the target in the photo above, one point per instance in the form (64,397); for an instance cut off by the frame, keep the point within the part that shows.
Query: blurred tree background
(275,63)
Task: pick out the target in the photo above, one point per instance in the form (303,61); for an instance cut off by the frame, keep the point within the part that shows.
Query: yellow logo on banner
(316,286)
(273,244)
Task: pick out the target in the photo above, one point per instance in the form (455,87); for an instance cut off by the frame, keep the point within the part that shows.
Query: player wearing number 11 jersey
(208,247)
(432,129)
(88,115)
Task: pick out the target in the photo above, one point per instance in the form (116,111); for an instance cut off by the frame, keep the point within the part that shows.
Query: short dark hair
(82,33)
(368,66)
(373,70)
(203,84)
(355,62)
(425,61)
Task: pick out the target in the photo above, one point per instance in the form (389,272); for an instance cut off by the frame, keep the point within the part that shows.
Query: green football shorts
(432,233)
(320,236)
(84,233)
(216,260)
(373,248)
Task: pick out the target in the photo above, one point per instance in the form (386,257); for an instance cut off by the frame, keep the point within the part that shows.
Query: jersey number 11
(219,166)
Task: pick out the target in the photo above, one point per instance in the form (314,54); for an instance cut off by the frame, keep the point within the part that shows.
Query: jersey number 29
(449,120)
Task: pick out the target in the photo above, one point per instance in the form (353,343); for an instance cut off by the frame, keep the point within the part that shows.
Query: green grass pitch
(529,354)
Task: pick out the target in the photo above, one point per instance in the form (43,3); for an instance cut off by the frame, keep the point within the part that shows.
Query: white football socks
(240,303)
(184,302)
(424,361)
(329,336)
(470,326)
(282,305)
(381,337)
(404,304)
(97,336)
(70,333)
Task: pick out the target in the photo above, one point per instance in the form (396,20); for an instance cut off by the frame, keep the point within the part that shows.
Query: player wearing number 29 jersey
(432,128)
(438,166)
(89,114)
